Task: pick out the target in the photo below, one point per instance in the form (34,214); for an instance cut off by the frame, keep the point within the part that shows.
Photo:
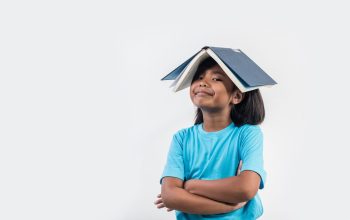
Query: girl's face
(213,90)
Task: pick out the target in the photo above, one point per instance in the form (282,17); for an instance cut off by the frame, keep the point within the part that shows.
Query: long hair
(250,110)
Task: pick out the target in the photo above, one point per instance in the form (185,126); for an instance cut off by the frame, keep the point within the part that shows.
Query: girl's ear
(237,97)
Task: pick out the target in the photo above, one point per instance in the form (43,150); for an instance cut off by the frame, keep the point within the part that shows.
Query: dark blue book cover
(249,73)
(176,72)
(244,72)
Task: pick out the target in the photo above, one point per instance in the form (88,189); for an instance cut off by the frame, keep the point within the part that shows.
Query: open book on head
(243,71)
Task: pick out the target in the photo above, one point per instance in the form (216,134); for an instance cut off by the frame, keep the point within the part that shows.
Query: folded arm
(235,189)
(175,197)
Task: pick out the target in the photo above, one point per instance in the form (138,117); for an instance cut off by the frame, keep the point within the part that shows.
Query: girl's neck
(215,122)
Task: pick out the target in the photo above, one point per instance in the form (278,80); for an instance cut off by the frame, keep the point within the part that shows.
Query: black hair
(250,110)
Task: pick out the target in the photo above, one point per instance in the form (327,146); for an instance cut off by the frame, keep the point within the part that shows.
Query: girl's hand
(239,168)
(241,204)
(159,203)
(236,206)
(189,185)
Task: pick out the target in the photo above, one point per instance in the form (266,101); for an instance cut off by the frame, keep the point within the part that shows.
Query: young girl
(203,177)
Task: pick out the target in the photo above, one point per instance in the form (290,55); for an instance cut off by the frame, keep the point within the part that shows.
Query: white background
(85,122)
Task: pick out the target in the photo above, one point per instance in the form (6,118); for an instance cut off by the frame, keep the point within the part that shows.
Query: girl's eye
(215,79)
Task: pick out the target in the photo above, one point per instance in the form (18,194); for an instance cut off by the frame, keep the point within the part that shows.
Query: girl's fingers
(239,205)
(239,167)
(161,205)
(158,201)
(242,204)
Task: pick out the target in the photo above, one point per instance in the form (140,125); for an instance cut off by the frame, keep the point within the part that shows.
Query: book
(242,70)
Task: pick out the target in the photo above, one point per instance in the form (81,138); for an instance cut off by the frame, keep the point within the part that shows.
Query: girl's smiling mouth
(203,92)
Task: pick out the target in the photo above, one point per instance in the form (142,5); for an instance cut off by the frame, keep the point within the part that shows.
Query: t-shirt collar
(216,133)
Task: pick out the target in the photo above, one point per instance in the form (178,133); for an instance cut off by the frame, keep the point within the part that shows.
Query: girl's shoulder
(250,132)
(250,128)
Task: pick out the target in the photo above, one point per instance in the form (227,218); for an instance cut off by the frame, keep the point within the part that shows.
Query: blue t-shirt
(197,154)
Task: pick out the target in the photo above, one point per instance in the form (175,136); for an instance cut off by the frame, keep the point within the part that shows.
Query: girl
(202,178)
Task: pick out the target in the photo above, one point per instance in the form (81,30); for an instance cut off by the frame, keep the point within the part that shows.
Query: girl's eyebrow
(219,72)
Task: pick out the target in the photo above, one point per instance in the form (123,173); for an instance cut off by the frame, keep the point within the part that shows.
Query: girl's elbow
(239,195)
(248,194)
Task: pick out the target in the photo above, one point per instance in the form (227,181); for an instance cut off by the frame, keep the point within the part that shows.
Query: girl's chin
(202,105)
(203,99)
(199,103)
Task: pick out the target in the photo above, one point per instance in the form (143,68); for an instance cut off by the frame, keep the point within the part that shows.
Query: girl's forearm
(229,190)
(179,199)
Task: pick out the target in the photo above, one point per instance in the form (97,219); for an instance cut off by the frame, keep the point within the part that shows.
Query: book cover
(242,70)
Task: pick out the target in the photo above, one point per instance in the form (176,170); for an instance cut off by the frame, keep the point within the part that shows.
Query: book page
(188,73)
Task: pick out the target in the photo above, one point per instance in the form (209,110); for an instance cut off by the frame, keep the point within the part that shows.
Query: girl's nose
(203,84)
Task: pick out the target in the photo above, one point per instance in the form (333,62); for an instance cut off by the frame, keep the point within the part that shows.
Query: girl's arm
(175,197)
(235,189)
(244,185)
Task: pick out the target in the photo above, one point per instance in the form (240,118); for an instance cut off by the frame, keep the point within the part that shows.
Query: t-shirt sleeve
(252,152)
(174,166)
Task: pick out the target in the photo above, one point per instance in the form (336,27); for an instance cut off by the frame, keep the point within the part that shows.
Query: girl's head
(213,91)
